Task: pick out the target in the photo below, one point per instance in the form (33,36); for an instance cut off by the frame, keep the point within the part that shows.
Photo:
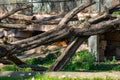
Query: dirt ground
(85,74)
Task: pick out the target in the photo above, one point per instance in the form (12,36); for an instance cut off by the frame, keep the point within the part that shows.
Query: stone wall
(109,45)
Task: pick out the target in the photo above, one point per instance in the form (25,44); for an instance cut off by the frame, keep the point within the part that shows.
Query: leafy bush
(106,67)
(10,68)
(49,59)
(116,13)
(34,61)
(86,58)
(116,68)
(82,60)
(14,68)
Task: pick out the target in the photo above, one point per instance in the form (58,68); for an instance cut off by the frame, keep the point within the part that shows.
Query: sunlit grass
(42,77)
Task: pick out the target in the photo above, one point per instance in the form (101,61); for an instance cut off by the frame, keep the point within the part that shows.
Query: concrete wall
(93,46)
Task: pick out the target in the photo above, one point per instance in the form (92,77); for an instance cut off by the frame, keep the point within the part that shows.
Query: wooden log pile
(101,24)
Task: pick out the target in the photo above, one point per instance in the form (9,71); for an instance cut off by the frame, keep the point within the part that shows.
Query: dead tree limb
(35,18)
(20,17)
(113,8)
(13,26)
(41,20)
(88,30)
(14,11)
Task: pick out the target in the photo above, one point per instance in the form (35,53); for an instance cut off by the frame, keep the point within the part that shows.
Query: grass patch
(106,67)
(47,61)
(10,68)
(82,60)
(116,13)
(14,68)
(42,77)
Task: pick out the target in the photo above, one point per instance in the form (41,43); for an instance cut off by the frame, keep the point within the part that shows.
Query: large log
(40,19)
(13,26)
(92,29)
(46,38)
(35,18)
(5,61)
(20,17)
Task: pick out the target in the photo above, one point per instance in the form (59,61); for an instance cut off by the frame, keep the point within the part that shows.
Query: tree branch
(13,26)
(60,26)
(15,10)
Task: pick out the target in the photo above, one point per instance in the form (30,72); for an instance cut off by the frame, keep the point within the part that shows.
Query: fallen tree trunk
(5,61)
(20,17)
(13,26)
(98,28)
(40,19)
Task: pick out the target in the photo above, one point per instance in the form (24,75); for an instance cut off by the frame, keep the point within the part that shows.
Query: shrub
(49,59)
(34,61)
(86,58)
(116,68)
(81,60)
(10,68)
(116,13)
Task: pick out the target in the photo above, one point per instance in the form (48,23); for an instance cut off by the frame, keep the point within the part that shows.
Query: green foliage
(82,60)
(10,68)
(49,59)
(116,13)
(14,68)
(20,54)
(114,59)
(106,67)
(107,61)
(25,69)
(86,58)
(43,77)
(34,61)
(116,68)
